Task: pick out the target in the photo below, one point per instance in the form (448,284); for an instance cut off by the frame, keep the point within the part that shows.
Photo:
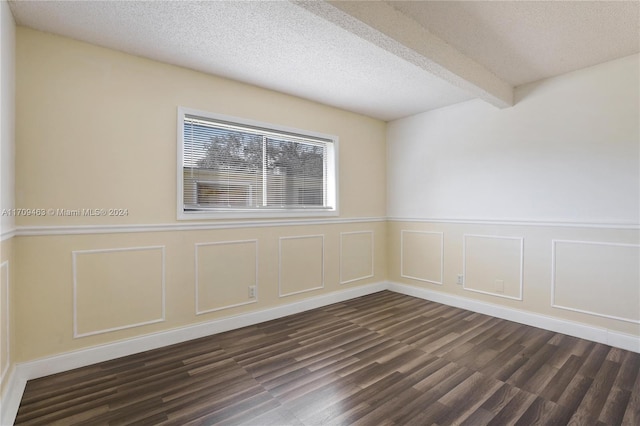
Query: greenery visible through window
(233,166)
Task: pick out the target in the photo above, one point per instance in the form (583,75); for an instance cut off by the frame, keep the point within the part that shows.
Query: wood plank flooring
(382,359)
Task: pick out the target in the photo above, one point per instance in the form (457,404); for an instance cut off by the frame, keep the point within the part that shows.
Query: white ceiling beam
(381,24)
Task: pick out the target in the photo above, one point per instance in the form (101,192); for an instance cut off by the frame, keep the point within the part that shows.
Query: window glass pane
(222,167)
(235,167)
(295,173)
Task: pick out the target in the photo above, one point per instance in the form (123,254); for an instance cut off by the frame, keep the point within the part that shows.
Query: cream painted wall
(491,181)
(96,128)
(44,302)
(106,132)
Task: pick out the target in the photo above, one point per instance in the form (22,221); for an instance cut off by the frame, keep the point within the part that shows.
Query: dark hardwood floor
(383,359)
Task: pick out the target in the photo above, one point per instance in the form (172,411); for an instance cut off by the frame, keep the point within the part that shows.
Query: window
(230,167)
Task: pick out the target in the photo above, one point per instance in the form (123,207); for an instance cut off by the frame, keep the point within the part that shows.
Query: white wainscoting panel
(493,265)
(356,256)
(596,278)
(224,272)
(300,264)
(118,288)
(422,256)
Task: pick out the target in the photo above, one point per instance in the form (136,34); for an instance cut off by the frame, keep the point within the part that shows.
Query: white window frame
(331,178)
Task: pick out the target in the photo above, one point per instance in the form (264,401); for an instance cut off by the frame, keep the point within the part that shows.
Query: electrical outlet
(460,279)
(252,292)
(499,284)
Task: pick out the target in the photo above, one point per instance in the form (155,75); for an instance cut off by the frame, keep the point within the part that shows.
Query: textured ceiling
(276,45)
(525,41)
(383,59)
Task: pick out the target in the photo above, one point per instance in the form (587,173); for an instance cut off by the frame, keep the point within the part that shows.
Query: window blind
(231,166)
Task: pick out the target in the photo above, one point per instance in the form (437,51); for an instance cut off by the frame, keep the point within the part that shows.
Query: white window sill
(263,214)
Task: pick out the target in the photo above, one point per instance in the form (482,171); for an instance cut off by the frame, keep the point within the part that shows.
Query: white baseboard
(18,376)
(623,341)
(10,401)
(571,328)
